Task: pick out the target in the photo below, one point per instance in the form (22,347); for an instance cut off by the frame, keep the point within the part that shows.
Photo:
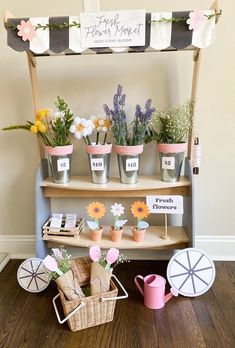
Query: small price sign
(62,164)
(168,163)
(132,164)
(97,164)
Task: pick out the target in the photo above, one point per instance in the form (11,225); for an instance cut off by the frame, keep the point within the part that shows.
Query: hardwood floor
(28,320)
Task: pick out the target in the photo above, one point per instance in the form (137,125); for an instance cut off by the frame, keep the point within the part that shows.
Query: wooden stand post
(196,69)
(165,235)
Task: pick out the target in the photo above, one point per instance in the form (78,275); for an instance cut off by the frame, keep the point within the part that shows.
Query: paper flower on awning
(196,19)
(26,30)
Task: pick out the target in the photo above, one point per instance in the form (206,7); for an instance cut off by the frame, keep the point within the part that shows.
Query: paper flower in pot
(96,211)
(139,211)
(117,210)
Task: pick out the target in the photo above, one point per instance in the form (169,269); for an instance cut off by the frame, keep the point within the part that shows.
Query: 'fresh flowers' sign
(112,29)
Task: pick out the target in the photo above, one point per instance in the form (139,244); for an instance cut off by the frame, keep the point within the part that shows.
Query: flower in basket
(96,211)
(59,268)
(102,267)
(116,230)
(52,128)
(140,211)
(124,134)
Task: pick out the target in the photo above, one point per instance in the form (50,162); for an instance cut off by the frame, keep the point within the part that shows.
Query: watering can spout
(173,292)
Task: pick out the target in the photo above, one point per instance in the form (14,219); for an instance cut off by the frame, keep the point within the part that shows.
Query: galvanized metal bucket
(99,160)
(171,159)
(128,162)
(59,160)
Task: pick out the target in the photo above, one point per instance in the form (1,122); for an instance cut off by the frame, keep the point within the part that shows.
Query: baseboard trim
(218,247)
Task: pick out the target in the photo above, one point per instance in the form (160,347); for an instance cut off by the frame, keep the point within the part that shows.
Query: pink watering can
(154,291)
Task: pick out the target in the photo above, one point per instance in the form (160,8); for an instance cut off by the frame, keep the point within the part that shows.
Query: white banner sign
(112,28)
(165,204)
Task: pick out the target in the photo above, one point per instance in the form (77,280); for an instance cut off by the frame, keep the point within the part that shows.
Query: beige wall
(88,82)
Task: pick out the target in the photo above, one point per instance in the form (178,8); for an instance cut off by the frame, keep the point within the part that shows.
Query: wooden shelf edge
(153,239)
(147,185)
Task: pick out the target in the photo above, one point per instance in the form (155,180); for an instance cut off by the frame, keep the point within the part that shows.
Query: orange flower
(96,210)
(139,210)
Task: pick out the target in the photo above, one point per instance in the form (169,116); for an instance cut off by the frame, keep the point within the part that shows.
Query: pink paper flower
(26,30)
(95,253)
(57,253)
(50,263)
(112,255)
(196,19)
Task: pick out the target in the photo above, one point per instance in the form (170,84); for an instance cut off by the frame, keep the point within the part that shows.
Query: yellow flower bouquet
(51,127)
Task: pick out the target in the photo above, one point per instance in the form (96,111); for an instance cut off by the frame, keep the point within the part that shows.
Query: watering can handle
(138,285)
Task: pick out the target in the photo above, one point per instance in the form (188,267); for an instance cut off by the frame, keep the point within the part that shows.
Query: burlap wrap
(100,279)
(68,283)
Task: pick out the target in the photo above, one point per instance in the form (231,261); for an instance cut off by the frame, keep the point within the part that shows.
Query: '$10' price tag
(168,163)
(97,164)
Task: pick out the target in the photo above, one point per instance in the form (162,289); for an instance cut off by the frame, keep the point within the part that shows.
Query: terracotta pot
(116,235)
(97,234)
(138,235)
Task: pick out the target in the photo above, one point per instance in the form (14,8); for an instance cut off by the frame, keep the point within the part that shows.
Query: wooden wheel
(31,275)
(191,272)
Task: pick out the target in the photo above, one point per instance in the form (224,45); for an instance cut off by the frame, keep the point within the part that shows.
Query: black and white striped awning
(159,37)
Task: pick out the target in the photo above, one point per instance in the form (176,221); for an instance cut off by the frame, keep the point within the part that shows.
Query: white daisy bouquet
(83,128)
(101,124)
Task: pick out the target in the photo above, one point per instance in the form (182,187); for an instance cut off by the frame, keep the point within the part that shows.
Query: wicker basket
(92,310)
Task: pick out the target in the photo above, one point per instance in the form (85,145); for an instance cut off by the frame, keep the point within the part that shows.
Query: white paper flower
(81,127)
(117,209)
(101,123)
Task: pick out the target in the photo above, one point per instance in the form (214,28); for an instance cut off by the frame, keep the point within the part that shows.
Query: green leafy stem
(74,24)
(52,26)
(182,19)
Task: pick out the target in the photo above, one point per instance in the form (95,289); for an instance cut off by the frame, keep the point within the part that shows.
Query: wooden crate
(73,232)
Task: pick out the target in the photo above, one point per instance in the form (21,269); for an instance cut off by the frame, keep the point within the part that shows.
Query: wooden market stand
(80,186)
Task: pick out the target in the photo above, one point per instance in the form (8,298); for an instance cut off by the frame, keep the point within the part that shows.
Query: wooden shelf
(81,186)
(177,236)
